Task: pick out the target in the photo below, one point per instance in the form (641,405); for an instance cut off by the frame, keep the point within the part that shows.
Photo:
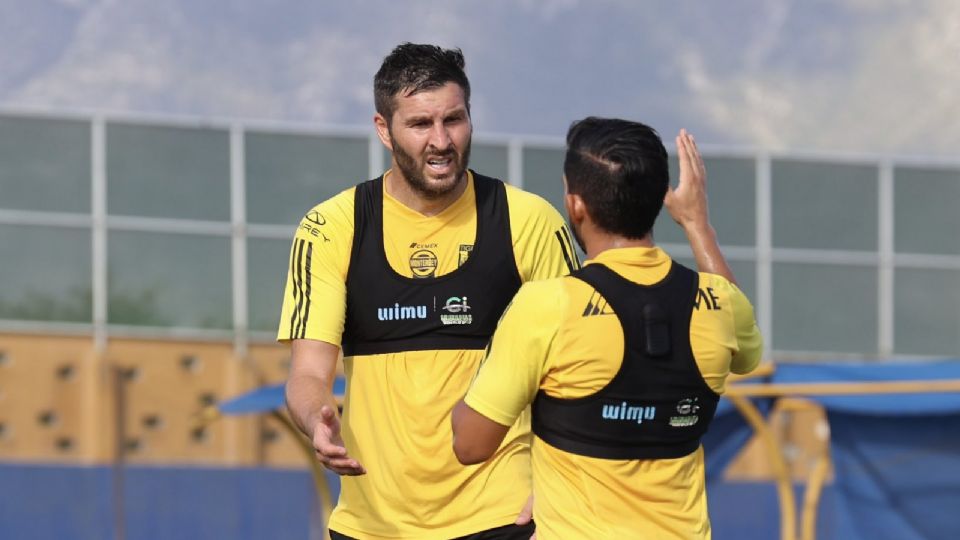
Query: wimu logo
(625,412)
(396,312)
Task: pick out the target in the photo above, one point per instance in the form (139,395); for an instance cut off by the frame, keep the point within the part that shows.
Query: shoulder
(338,208)
(723,296)
(542,297)
(531,217)
(718,283)
(331,218)
(529,206)
(554,298)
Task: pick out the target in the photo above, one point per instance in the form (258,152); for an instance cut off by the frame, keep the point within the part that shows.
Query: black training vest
(388,312)
(657,405)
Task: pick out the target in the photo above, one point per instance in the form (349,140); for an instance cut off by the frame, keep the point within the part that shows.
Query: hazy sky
(877,76)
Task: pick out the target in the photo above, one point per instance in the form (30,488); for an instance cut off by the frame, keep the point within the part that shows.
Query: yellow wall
(58,402)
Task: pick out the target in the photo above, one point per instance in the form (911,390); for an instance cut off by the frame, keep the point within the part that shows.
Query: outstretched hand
(329,448)
(687,203)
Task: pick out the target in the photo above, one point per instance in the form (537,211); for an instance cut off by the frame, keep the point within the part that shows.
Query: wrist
(699,228)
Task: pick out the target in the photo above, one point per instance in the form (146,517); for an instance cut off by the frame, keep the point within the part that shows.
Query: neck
(597,241)
(428,205)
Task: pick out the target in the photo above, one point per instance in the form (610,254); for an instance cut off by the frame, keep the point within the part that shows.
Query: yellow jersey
(396,419)
(561,337)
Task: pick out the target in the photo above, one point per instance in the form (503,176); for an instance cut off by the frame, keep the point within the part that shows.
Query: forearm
(706,250)
(306,395)
(313,368)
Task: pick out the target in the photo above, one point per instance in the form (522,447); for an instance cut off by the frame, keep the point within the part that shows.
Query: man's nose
(440,136)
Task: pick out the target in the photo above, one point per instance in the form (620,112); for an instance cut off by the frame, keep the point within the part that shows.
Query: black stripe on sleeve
(297,277)
(589,309)
(306,308)
(573,252)
(566,254)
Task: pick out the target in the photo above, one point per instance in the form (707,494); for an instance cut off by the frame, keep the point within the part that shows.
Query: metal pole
(119,457)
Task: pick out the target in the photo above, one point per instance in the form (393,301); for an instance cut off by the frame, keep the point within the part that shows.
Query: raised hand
(687,203)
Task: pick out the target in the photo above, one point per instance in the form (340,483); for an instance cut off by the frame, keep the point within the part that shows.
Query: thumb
(329,417)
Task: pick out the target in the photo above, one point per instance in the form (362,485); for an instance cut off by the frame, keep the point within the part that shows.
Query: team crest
(465,251)
(423,263)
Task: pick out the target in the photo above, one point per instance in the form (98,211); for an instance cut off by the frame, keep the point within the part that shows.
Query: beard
(414,170)
(576,236)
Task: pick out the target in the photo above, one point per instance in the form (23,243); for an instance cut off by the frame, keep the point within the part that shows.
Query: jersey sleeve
(542,244)
(315,295)
(749,341)
(723,333)
(510,374)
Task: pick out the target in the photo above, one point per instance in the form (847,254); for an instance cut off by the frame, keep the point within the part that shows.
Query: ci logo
(688,406)
(456,304)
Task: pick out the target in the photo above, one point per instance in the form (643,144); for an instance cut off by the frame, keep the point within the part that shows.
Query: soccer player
(624,360)
(408,274)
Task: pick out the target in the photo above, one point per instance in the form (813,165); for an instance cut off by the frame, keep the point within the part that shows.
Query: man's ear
(576,209)
(383,130)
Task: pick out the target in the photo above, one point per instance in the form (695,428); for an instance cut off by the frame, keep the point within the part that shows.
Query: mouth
(440,165)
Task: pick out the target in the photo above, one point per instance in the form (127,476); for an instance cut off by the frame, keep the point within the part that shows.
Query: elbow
(469,454)
(469,443)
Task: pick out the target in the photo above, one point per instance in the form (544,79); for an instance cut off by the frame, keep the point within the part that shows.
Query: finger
(329,419)
(330,450)
(326,413)
(348,471)
(693,142)
(526,514)
(695,157)
(683,155)
(342,465)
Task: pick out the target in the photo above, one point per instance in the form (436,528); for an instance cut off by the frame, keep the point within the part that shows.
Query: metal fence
(115,225)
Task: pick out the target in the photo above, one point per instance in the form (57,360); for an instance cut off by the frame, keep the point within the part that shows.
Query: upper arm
(314,299)
(543,246)
(749,341)
(723,334)
(510,374)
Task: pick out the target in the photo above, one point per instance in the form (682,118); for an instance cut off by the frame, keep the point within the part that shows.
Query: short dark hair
(620,170)
(412,68)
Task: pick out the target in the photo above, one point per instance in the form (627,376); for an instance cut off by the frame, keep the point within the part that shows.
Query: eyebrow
(460,112)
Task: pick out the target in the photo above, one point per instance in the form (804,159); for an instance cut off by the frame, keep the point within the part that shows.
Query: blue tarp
(887,404)
(896,457)
(43,502)
(727,501)
(266,399)
(896,460)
